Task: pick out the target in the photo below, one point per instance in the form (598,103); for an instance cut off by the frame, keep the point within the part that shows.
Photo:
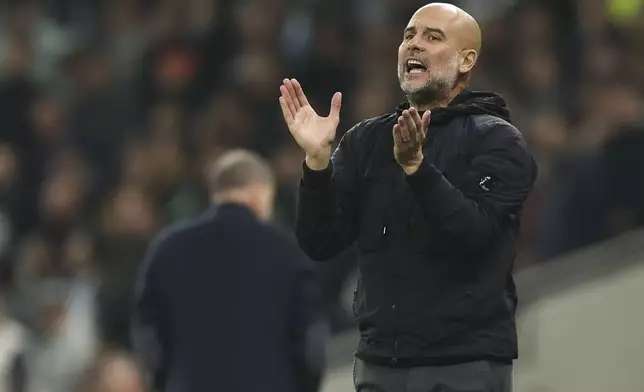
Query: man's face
(428,59)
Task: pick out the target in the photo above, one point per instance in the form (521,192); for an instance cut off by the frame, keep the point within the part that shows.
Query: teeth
(414,62)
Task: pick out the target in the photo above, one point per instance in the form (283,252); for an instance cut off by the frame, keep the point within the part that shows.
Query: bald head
(440,47)
(457,23)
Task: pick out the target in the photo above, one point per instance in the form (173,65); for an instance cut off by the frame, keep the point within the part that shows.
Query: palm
(312,132)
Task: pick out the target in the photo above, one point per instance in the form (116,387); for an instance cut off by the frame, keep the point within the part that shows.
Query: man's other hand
(409,135)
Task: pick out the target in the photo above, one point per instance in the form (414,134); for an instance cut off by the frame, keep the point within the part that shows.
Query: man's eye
(409,36)
(433,38)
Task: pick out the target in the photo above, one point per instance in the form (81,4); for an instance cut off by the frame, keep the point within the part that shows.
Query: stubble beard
(438,87)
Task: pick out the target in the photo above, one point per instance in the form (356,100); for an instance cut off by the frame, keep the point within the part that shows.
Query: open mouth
(413,66)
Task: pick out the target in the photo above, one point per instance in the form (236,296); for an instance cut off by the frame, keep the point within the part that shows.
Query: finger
(301,97)
(416,119)
(425,121)
(404,132)
(286,112)
(411,126)
(292,94)
(288,99)
(336,104)
(397,135)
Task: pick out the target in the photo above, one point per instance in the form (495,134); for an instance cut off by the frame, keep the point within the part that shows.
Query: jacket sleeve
(326,221)
(146,318)
(499,180)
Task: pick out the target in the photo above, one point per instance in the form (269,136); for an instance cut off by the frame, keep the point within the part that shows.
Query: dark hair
(237,169)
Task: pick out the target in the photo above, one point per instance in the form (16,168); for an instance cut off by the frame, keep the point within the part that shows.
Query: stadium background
(111,109)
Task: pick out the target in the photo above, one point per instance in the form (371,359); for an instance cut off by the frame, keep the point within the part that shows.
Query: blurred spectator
(12,345)
(113,371)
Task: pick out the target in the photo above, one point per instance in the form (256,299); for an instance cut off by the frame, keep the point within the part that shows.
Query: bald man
(432,193)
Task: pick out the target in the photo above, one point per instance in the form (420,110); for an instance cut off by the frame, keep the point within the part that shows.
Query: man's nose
(414,44)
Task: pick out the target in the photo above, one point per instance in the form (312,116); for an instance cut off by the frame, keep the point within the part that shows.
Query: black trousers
(480,376)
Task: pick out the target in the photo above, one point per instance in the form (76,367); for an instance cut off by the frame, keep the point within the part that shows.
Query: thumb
(425,121)
(336,103)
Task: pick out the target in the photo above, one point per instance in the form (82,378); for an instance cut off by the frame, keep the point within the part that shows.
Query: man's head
(440,47)
(243,177)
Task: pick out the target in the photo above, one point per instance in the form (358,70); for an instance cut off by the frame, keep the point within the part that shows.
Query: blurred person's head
(165,120)
(8,165)
(439,50)
(624,105)
(48,119)
(19,55)
(114,372)
(78,253)
(176,69)
(216,127)
(257,24)
(52,310)
(602,61)
(122,16)
(539,70)
(167,161)
(136,167)
(592,16)
(130,212)
(243,177)
(35,260)
(257,72)
(533,25)
(88,70)
(63,194)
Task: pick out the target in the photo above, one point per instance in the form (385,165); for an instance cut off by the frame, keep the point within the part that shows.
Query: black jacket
(436,247)
(227,303)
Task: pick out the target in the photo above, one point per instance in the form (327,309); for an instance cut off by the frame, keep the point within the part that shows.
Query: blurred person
(434,209)
(98,115)
(9,195)
(255,74)
(227,302)
(175,188)
(114,372)
(63,201)
(129,221)
(12,345)
(63,341)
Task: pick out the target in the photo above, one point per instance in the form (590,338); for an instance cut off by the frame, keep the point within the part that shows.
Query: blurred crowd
(110,111)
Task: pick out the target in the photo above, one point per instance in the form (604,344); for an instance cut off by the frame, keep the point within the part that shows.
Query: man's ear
(468,60)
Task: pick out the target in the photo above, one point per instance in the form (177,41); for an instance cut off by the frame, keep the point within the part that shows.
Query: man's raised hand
(409,135)
(313,133)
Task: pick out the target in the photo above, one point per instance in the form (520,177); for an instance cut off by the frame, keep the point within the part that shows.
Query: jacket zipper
(394,359)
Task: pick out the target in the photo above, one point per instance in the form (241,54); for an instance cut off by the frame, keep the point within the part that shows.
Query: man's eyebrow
(426,30)
(435,31)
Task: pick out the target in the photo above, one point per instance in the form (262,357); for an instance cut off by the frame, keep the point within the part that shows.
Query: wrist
(317,163)
(413,167)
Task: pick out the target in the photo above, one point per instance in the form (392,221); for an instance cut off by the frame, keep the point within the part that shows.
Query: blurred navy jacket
(228,303)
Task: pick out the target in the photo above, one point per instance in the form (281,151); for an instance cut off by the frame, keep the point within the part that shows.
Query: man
(226,302)
(434,210)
